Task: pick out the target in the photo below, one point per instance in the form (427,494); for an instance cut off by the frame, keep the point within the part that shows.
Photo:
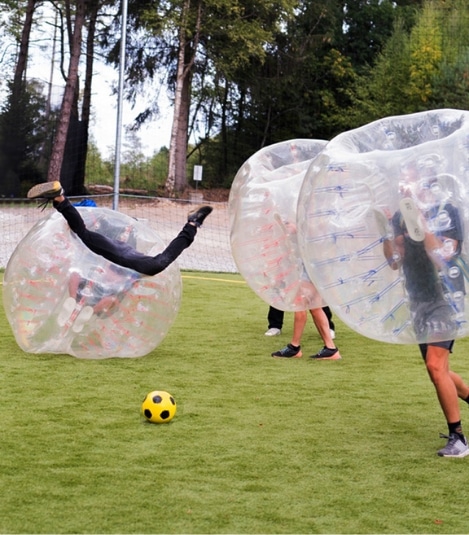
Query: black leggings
(121,253)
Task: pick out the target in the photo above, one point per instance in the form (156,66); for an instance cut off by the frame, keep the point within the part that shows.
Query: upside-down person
(114,250)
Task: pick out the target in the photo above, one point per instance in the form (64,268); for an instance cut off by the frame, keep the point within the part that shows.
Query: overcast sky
(104,103)
(104,109)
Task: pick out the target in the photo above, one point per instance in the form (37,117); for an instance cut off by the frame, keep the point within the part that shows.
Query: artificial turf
(258,445)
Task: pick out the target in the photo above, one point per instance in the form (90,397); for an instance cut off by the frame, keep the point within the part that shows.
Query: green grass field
(258,445)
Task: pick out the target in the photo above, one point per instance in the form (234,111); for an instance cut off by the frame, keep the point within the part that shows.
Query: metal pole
(120,98)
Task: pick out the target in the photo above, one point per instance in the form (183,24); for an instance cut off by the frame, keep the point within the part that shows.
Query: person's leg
(181,242)
(461,387)
(117,251)
(293,349)
(275,318)
(329,351)
(275,321)
(328,313)
(96,242)
(122,254)
(448,386)
(437,364)
(156,264)
(322,325)
(299,323)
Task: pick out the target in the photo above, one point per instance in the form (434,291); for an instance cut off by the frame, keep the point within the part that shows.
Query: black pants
(275,318)
(121,253)
(328,313)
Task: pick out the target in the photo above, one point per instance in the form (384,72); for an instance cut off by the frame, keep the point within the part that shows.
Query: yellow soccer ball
(159,407)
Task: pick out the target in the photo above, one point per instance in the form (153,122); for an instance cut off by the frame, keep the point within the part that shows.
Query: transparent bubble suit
(59,297)
(351,207)
(262,208)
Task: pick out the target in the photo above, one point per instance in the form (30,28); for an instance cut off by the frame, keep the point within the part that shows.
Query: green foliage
(421,67)
(97,170)
(137,171)
(263,72)
(379,92)
(450,84)
(219,167)
(258,445)
(425,54)
(368,24)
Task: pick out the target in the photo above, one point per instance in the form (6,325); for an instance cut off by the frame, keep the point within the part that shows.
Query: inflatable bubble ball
(262,208)
(59,297)
(383,216)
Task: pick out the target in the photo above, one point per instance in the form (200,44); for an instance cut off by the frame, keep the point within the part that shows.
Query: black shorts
(433,320)
(447,344)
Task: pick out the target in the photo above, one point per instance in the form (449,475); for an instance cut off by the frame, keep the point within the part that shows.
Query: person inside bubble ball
(102,298)
(275,321)
(320,318)
(426,244)
(115,250)
(293,349)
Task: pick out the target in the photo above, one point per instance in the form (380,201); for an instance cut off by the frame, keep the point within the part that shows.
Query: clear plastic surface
(264,240)
(382,225)
(59,297)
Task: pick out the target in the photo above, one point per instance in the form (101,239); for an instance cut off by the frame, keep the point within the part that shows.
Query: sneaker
(198,215)
(455,447)
(332,334)
(46,190)
(327,353)
(273,331)
(288,352)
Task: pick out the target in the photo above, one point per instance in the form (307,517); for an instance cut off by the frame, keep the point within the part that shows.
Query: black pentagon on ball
(147,413)
(157,399)
(164,415)
(172,400)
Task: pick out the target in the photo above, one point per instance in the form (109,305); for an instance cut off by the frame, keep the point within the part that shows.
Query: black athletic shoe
(46,190)
(198,215)
(289,352)
(327,353)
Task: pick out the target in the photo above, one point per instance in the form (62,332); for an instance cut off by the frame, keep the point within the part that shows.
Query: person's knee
(436,362)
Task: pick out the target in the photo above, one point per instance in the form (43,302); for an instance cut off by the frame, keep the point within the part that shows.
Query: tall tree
(189,37)
(421,67)
(58,148)
(450,84)
(367,24)
(187,51)
(74,163)
(14,133)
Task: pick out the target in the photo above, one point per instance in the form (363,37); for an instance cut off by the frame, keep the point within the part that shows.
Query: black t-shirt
(424,282)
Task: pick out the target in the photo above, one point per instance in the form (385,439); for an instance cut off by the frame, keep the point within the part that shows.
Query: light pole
(120,98)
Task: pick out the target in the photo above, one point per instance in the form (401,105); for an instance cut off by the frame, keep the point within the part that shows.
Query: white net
(210,251)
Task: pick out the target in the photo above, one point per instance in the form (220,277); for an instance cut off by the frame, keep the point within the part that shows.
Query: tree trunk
(176,181)
(23,51)
(80,142)
(58,149)
(177,142)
